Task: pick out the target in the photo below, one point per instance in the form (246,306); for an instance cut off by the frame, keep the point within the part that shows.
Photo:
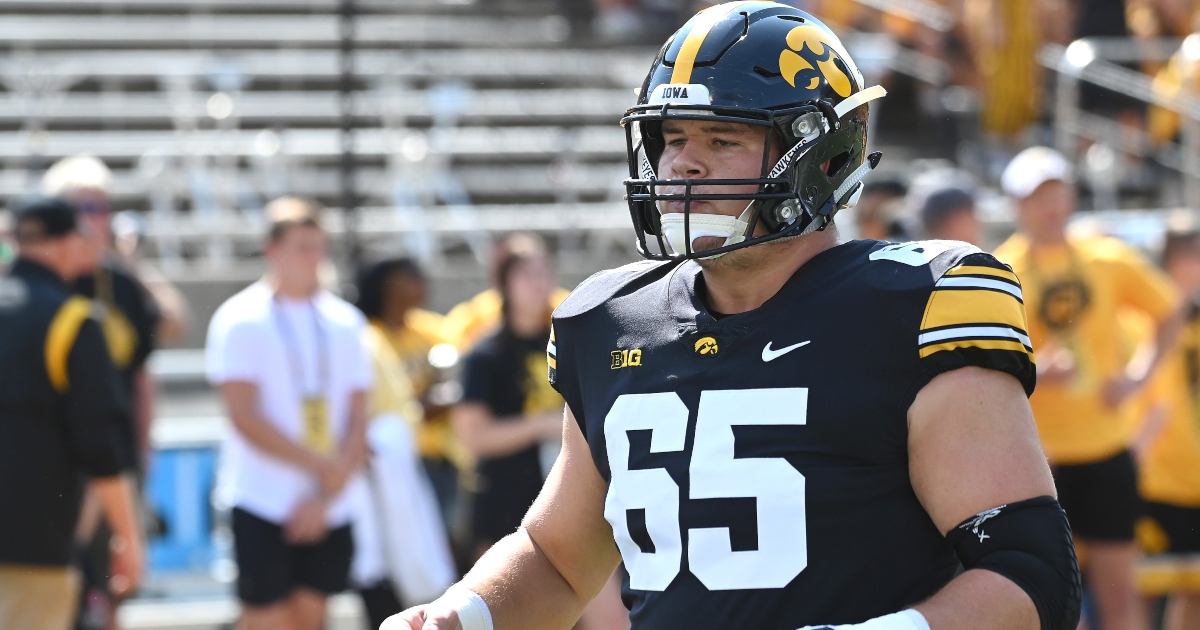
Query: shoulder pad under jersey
(937,257)
(603,285)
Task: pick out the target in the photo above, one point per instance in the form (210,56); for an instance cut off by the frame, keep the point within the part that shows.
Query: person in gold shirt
(1170,460)
(390,294)
(1074,290)
(469,322)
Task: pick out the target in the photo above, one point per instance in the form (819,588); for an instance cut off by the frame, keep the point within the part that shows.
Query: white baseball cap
(1032,168)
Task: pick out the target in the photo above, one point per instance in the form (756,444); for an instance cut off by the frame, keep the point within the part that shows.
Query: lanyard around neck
(295,360)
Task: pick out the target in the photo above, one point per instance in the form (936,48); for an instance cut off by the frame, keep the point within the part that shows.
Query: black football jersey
(757,464)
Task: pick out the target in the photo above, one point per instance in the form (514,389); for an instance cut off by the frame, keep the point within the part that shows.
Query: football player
(770,428)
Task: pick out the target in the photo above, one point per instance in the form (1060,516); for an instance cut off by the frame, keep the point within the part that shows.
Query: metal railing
(1095,61)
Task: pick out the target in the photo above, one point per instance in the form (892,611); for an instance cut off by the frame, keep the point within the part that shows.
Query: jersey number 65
(714,473)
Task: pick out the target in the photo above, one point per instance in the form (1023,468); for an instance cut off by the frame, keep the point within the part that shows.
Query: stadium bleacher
(466,89)
(471,117)
(212,107)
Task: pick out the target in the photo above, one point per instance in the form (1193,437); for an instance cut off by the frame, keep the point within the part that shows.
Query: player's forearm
(522,588)
(980,600)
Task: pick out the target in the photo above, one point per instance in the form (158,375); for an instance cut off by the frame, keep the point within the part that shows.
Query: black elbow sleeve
(1029,543)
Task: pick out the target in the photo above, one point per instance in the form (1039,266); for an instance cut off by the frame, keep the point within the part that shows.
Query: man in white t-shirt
(288,361)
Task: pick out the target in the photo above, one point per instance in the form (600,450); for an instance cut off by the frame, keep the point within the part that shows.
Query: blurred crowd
(364,454)
(989,47)
(383,447)
(1116,335)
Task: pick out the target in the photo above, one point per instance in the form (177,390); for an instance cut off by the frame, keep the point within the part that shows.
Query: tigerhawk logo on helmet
(763,64)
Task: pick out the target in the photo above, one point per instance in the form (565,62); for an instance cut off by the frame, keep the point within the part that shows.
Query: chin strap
(732,229)
(857,176)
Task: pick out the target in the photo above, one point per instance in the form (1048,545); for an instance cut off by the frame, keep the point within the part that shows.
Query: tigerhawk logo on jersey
(793,61)
(706,346)
(626,358)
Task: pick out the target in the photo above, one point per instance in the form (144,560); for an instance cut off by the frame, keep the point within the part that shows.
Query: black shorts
(1170,536)
(1169,529)
(269,568)
(1100,499)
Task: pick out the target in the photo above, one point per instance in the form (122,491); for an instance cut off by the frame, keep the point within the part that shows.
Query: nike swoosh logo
(771,355)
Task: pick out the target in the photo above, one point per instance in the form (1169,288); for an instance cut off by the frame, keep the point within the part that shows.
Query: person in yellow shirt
(1074,291)
(1170,462)
(391,394)
(469,322)
(390,294)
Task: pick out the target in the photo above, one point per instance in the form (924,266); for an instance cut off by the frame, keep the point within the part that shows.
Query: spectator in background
(508,406)
(288,360)
(129,321)
(1178,76)
(85,182)
(61,409)
(128,228)
(480,316)
(943,200)
(390,294)
(1005,37)
(1169,461)
(1074,290)
(949,214)
(387,293)
(879,210)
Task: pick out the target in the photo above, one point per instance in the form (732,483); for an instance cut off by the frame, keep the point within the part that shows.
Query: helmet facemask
(794,195)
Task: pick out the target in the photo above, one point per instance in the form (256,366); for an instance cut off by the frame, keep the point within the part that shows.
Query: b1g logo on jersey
(626,358)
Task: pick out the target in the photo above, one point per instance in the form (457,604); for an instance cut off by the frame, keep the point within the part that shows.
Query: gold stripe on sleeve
(64,328)
(956,307)
(976,270)
(983,344)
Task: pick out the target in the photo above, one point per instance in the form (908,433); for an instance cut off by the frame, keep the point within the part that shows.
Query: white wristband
(472,611)
(903,620)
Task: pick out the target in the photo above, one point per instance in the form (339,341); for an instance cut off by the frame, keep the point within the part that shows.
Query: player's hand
(307,524)
(127,562)
(428,617)
(1118,390)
